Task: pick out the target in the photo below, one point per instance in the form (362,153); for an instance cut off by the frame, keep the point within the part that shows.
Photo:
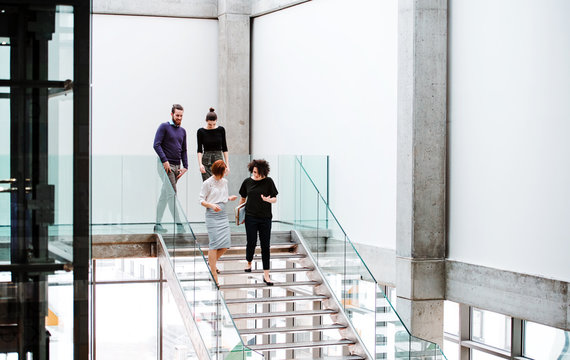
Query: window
(544,342)
(491,329)
(451,318)
(480,355)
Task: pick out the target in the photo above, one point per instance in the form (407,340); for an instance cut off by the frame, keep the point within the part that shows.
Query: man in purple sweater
(170,146)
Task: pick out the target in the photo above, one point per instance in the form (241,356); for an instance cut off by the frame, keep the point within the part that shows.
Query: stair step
(240,247)
(348,357)
(283,314)
(261,284)
(291,329)
(260,271)
(275,299)
(300,345)
(278,256)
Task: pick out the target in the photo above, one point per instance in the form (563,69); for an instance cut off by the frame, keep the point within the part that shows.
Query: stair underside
(260,271)
(283,314)
(261,284)
(275,299)
(300,345)
(290,329)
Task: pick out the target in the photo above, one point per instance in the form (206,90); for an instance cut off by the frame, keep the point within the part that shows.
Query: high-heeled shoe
(268,283)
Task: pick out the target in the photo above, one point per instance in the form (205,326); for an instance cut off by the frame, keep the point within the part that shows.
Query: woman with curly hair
(260,192)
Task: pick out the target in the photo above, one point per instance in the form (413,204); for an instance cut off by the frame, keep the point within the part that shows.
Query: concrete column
(234,72)
(420,245)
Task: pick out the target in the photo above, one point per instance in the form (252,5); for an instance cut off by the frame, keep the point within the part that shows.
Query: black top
(212,139)
(252,190)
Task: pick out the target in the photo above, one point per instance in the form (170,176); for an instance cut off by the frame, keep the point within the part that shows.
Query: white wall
(141,66)
(509,112)
(324,82)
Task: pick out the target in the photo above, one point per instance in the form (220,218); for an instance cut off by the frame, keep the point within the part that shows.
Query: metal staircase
(297,318)
(325,302)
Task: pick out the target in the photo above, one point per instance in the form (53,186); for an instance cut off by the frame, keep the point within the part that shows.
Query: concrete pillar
(420,244)
(234,72)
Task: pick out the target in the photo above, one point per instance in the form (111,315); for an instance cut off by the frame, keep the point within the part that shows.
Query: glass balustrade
(127,204)
(363,300)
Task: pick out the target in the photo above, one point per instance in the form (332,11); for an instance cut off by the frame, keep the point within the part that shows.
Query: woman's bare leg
(266,275)
(212,259)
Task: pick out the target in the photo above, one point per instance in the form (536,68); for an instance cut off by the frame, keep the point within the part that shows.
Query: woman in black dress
(260,192)
(211,145)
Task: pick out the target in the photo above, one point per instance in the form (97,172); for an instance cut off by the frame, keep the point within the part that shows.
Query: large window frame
(467,342)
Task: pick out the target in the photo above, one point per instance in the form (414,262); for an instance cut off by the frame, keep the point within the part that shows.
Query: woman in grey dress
(214,197)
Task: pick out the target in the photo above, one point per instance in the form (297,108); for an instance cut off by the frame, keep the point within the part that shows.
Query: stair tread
(348,357)
(260,271)
(296,345)
(275,299)
(284,314)
(291,329)
(278,256)
(261,284)
(277,246)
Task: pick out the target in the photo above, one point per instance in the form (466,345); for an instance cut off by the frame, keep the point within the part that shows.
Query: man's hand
(232,197)
(166,165)
(182,172)
(202,169)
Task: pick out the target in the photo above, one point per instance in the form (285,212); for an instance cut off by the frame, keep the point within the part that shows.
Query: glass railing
(362,298)
(127,203)
(208,308)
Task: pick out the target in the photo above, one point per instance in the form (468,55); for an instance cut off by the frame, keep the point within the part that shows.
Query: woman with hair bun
(260,192)
(214,196)
(211,145)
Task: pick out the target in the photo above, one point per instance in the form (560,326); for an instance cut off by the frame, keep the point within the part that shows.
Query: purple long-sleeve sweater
(170,144)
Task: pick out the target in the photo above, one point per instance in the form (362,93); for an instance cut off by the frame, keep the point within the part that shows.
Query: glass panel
(126,269)
(4,157)
(60,48)
(451,317)
(60,173)
(5,154)
(544,342)
(60,315)
(480,355)
(364,302)
(491,328)
(285,182)
(316,167)
(451,350)
(176,343)
(216,328)
(126,321)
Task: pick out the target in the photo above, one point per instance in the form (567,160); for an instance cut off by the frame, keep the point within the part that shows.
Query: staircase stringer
(332,303)
(178,294)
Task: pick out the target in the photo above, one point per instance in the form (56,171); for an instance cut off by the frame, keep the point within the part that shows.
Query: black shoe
(159,229)
(268,283)
(247,269)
